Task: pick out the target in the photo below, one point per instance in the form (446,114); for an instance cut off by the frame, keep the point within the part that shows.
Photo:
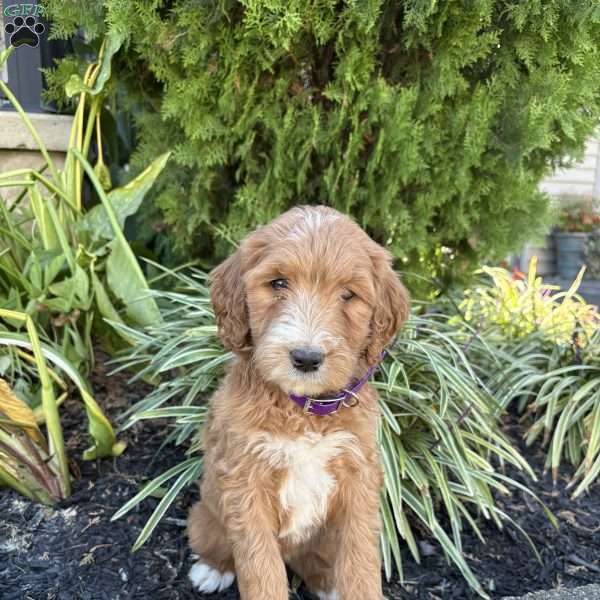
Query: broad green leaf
(125,202)
(75,290)
(33,271)
(107,309)
(123,281)
(124,275)
(52,267)
(82,287)
(59,304)
(110,47)
(75,86)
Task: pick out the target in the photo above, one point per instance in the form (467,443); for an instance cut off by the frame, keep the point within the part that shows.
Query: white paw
(333,595)
(206,579)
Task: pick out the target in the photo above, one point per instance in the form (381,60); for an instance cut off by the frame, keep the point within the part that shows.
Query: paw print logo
(24,32)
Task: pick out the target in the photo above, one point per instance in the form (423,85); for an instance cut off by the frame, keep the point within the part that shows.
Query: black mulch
(74,551)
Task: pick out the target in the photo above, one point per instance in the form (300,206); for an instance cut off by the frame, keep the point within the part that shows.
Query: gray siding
(582,179)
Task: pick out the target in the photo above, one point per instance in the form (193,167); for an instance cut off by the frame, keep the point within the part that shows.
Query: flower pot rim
(572,233)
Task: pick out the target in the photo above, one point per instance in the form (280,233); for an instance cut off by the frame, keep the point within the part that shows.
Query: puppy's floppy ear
(392,304)
(228,297)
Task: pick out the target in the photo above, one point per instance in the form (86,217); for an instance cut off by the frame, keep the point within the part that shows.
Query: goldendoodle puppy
(291,465)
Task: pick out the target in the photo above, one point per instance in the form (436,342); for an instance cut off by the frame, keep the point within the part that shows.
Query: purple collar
(347,397)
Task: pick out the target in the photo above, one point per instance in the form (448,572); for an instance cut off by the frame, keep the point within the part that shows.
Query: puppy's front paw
(332,595)
(206,579)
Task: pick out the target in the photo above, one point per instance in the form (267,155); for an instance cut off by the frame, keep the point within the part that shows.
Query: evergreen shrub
(432,122)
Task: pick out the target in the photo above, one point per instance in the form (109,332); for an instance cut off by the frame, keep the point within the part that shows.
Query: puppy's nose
(306,359)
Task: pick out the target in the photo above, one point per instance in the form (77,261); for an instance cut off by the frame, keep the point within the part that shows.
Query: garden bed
(74,551)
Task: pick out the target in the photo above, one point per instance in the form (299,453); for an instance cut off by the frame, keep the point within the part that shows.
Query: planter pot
(546,264)
(570,253)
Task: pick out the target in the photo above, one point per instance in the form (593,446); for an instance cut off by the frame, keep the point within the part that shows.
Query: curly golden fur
(281,486)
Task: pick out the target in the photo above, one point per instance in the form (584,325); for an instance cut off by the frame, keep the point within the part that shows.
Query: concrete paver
(586,592)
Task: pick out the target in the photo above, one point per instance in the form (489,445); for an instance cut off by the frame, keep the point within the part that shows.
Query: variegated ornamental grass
(441,444)
(557,390)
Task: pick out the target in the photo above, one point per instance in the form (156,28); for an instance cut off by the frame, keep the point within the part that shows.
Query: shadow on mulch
(74,551)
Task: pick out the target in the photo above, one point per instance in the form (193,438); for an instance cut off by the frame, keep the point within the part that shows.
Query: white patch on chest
(307,483)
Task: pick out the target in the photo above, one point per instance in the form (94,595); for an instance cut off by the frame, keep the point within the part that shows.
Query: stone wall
(18,149)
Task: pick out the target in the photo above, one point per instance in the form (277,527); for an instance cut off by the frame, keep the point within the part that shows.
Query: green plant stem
(27,121)
(9,480)
(70,170)
(53,375)
(73,167)
(89,128)
(50,408)
(60,234)
(14,173)
(36,175)
(19,183)
(53,188)
(82,142)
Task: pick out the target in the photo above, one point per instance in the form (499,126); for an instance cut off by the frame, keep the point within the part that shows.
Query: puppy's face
(307,296)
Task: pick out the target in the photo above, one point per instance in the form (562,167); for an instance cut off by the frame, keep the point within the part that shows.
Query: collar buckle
(351,399)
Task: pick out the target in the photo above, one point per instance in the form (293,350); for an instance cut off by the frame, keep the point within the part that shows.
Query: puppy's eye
(279,284)
(348,295)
